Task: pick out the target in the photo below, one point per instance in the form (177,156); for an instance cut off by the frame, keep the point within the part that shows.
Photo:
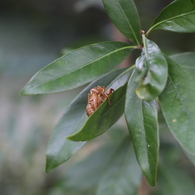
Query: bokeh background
(32,34)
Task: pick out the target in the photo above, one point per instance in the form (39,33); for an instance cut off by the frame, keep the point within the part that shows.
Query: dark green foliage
(77,68)
(121,14)
(156,78)
(141,117)
(152,67)
(179,16)
(177,103)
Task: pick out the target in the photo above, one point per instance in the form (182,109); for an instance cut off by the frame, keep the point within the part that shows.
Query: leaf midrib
(149,163)
(80,67)
(143,119)
(172,18)
(180,99)
(130,26)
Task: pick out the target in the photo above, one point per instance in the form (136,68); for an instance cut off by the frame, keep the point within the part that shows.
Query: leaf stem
(131,67)
(144,44)
(132,46)
(168,20)
(150,29)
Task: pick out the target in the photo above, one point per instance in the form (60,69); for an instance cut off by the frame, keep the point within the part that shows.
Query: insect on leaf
(106,115)
(61,149)
(103,118)
(96,97)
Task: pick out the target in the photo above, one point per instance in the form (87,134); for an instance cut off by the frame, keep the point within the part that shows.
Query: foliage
(155,80)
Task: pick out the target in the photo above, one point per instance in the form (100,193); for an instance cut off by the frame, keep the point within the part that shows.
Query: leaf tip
(26,90)
(47,170)
(78,137)
(72,137)
(152,183)
(150,178)
(22,92)
(49,165)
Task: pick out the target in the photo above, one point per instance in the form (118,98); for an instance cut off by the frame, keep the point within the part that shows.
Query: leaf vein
(130,26)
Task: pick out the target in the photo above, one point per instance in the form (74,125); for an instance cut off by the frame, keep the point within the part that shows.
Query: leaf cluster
(155,80)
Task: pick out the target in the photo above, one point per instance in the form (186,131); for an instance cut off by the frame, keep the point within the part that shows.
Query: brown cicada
(96,97)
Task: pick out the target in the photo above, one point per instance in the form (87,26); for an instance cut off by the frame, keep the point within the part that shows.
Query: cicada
(96,97)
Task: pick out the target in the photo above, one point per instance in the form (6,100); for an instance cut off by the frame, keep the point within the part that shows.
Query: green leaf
(153,71)
(77,68)
(61,149)
(173,180)
(187,60)
(141,117)
(123,174)
(103,118)
(179,16)
(124,15)
(177,104)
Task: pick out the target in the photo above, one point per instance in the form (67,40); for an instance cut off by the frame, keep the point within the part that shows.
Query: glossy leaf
(177,104)
(187,60)
(152,69)
(61,149)
(103,118)
(123,175)
(77,68)
(141,117)
(124,15)
(179,16)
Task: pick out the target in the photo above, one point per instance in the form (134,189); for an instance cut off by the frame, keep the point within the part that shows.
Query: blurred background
(32,34)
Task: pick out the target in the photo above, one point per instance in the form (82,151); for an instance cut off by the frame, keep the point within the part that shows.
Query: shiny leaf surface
(179,16)
(177,104)
(77,68)
(152,69)
(141,117)
(124,15)
(187,60)
(61,149)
